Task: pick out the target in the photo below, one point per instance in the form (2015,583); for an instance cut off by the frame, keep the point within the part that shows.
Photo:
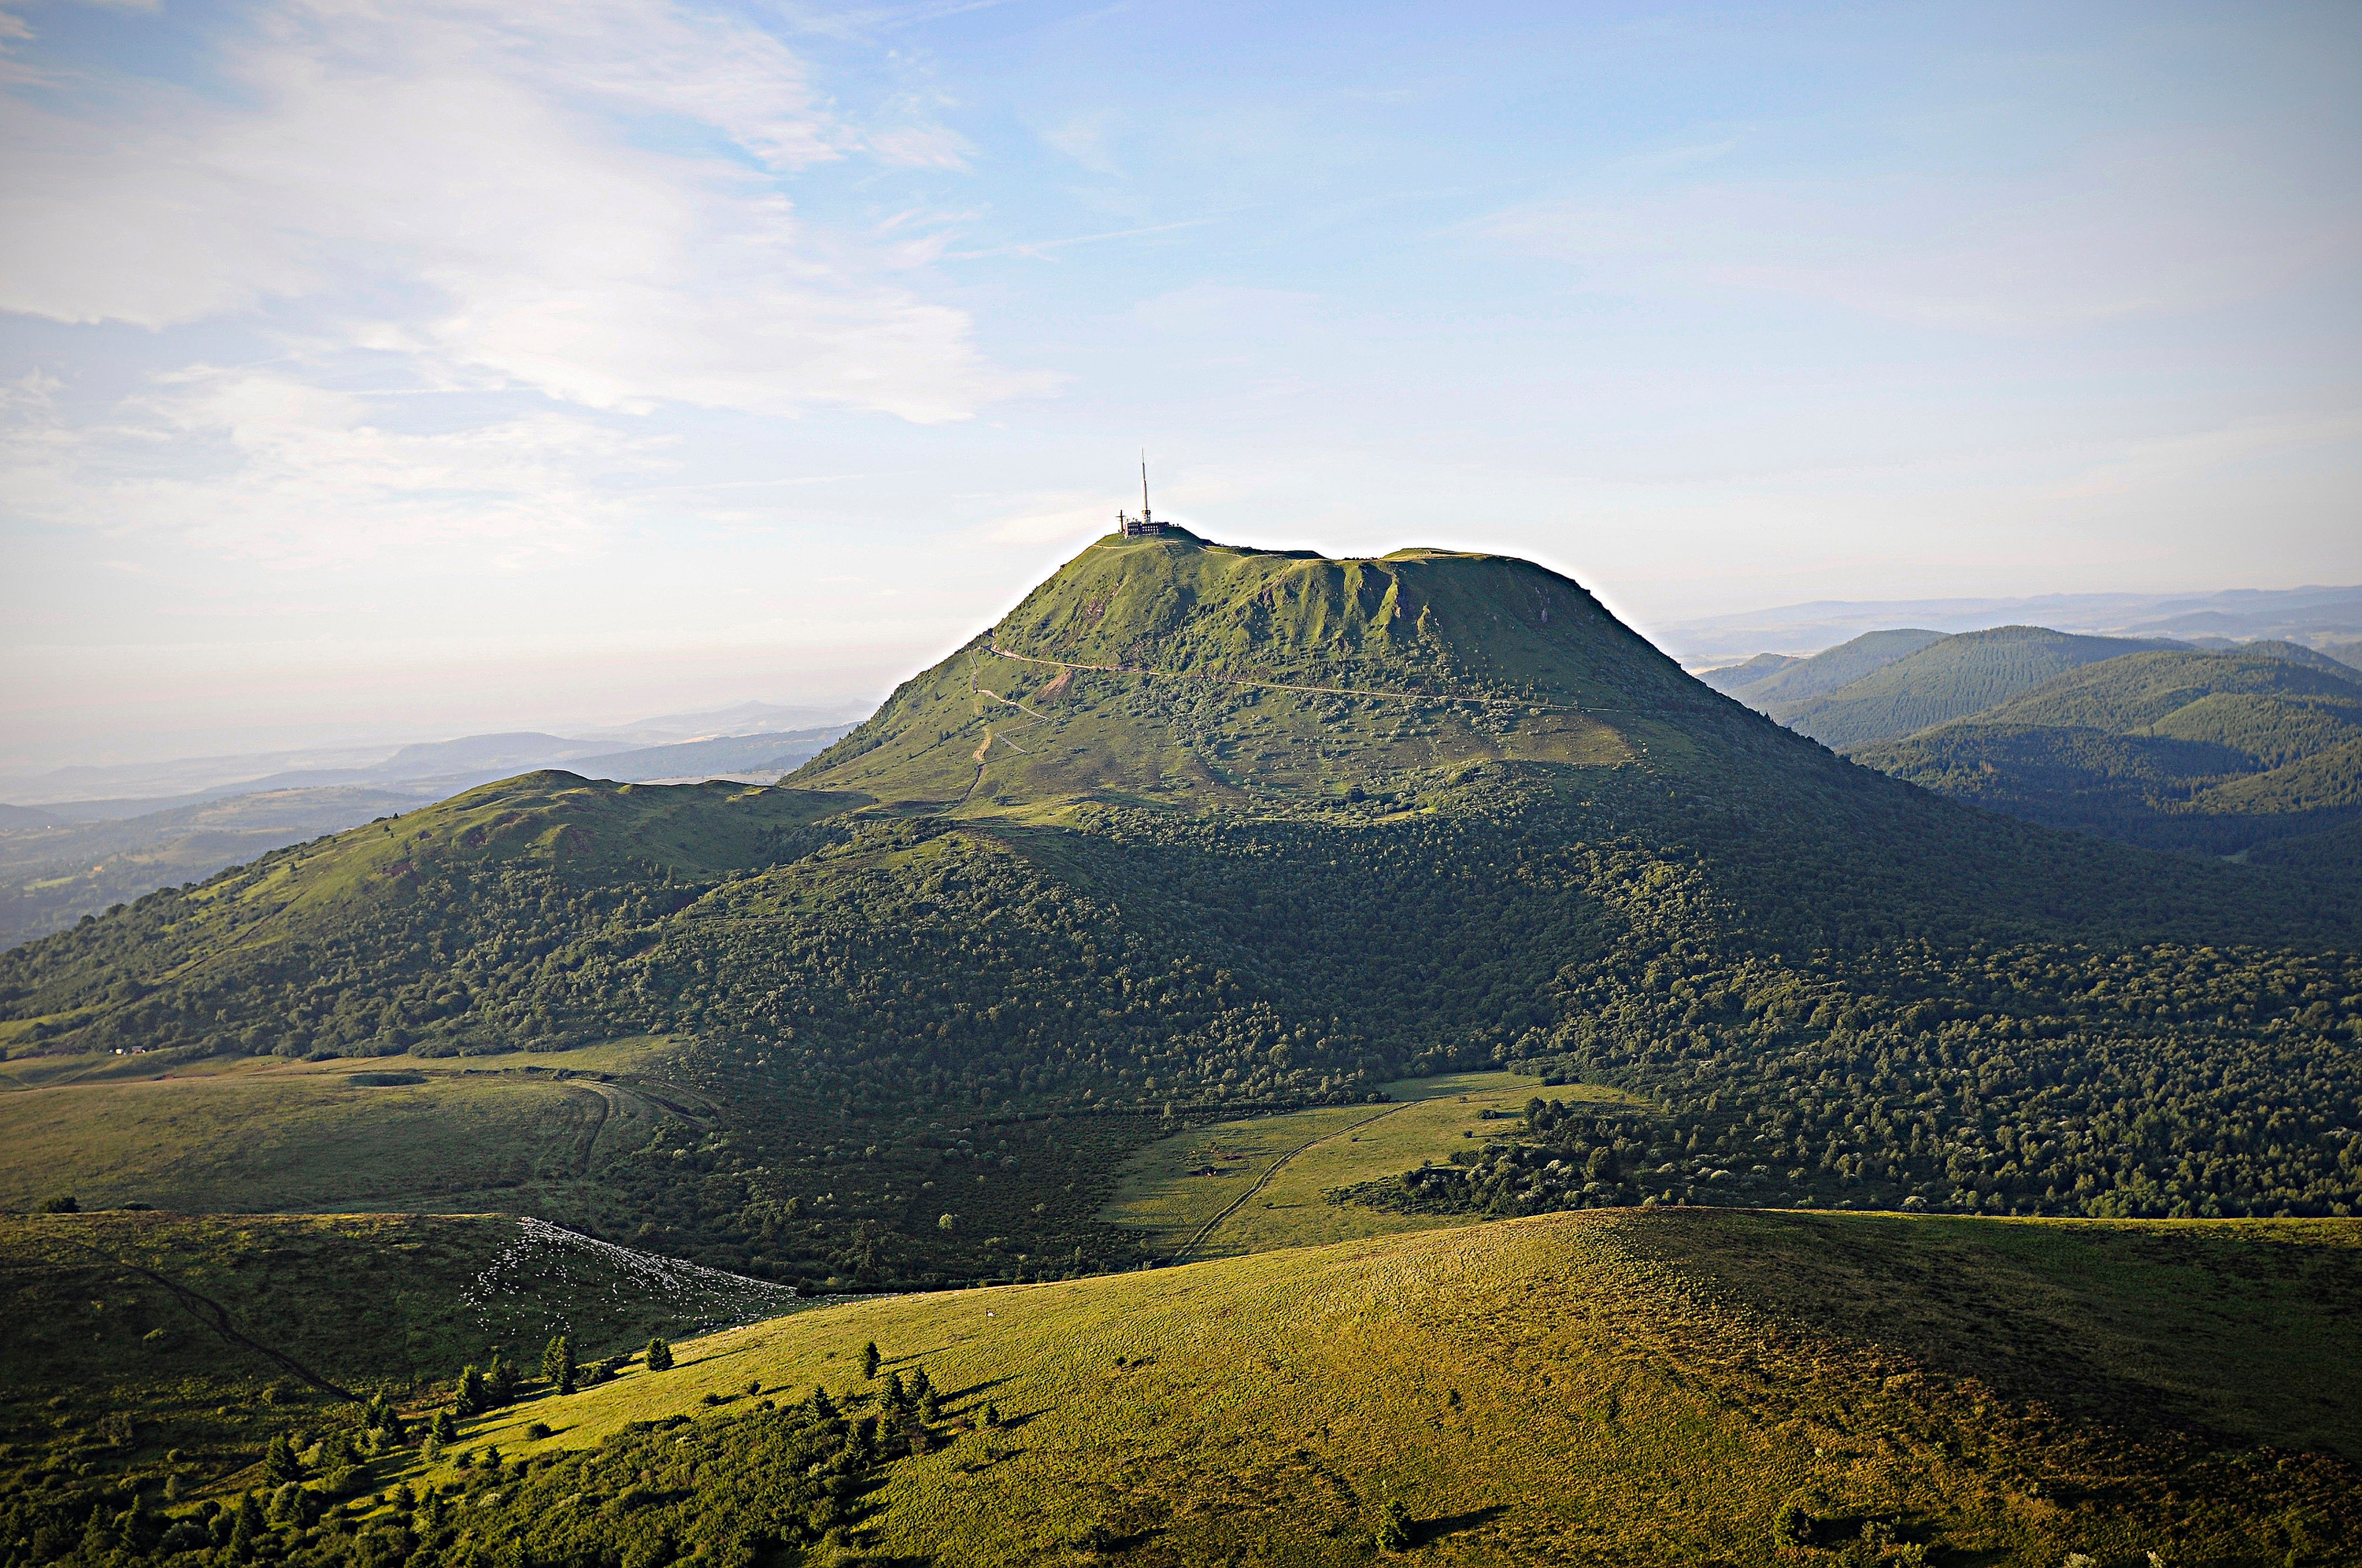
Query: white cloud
(267,468)
(538,190)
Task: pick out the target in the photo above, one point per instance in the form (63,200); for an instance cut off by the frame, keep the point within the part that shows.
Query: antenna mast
(1145,526)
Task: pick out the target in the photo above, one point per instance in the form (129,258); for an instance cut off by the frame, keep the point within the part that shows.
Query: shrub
(659,1356)
(536,1432)
(1392,1532)
(1791,1526)
(64,1203)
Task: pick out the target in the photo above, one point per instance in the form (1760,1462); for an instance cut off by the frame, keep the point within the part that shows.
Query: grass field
(263,1134)
(1260,1183)
(1614,1386)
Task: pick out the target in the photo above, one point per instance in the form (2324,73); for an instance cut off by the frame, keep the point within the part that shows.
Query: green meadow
(1265,1182)
(262,1133)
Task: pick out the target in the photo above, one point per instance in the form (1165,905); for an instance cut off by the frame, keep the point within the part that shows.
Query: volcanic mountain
(1200,826)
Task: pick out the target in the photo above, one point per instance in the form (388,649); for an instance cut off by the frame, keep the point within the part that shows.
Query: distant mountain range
(2252,751)
(2319,618)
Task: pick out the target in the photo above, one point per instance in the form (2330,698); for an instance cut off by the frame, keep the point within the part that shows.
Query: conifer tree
(446,1429)
(279,1461)
(869,1359)
(895,1395)
(248,1528)
(822,1407)
(470,1398)
(557,1364)
(659,1356)
(500,1382)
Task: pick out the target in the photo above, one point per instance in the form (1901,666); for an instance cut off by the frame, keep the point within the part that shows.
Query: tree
(248,1528)
(470,1399)
(659,1356)
(557,1364)
(896,1397)
(869,1359)
(279,1461)
(445,1429)
(501,1381)
(1791,1526)
(947,1222)
(822,1407)
(64,1203)
(923,1394)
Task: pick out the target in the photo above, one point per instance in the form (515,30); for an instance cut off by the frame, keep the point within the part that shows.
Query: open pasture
(1613,1386)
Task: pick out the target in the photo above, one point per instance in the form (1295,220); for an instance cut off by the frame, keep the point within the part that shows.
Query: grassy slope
(1945,680)
(1798,680)
(52,876)
(1643,1387)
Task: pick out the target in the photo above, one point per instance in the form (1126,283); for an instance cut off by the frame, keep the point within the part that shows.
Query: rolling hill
(1768,678)
(1949,679)
(1196,833)
(2217,753)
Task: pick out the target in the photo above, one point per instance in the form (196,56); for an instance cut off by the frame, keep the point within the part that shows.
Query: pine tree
(659,1356)
(446,1429)
(922,1392)
(823,1408)
(557,1364)
(501,1381)
(991,1418)
(470,1399)
(248,1528)
(869,1359)
(279,1461)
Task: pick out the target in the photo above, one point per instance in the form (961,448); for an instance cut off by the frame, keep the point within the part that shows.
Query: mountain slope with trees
(1947,680)
(1199,829)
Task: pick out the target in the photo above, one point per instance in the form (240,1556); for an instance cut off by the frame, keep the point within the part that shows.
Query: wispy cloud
(536,191)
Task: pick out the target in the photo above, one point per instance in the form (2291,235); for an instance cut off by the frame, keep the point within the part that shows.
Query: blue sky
(420,368)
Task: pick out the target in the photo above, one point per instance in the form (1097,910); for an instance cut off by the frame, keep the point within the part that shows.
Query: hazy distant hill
(2314,616)
(1769,678)
(2215,753)
(747,754)
(1949,678)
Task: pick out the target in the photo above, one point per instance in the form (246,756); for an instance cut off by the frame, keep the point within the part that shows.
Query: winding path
(1272,1170)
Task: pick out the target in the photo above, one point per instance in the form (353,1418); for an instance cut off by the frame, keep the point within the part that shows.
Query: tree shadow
(1429,1530)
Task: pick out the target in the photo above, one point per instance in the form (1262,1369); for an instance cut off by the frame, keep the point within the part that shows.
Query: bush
(65,1203)
(659,1356)
(1393,1530)
(1791,1526)
(536,1431)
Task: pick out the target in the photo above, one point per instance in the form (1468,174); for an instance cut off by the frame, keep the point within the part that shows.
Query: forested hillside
(1198,828)
(1769,678)
(1946,679)
(2209,752)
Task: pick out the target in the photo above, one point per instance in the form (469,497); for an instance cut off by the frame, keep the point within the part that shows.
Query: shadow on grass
(1427,1532)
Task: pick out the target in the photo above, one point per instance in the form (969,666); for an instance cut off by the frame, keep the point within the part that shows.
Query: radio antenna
(1143,485)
